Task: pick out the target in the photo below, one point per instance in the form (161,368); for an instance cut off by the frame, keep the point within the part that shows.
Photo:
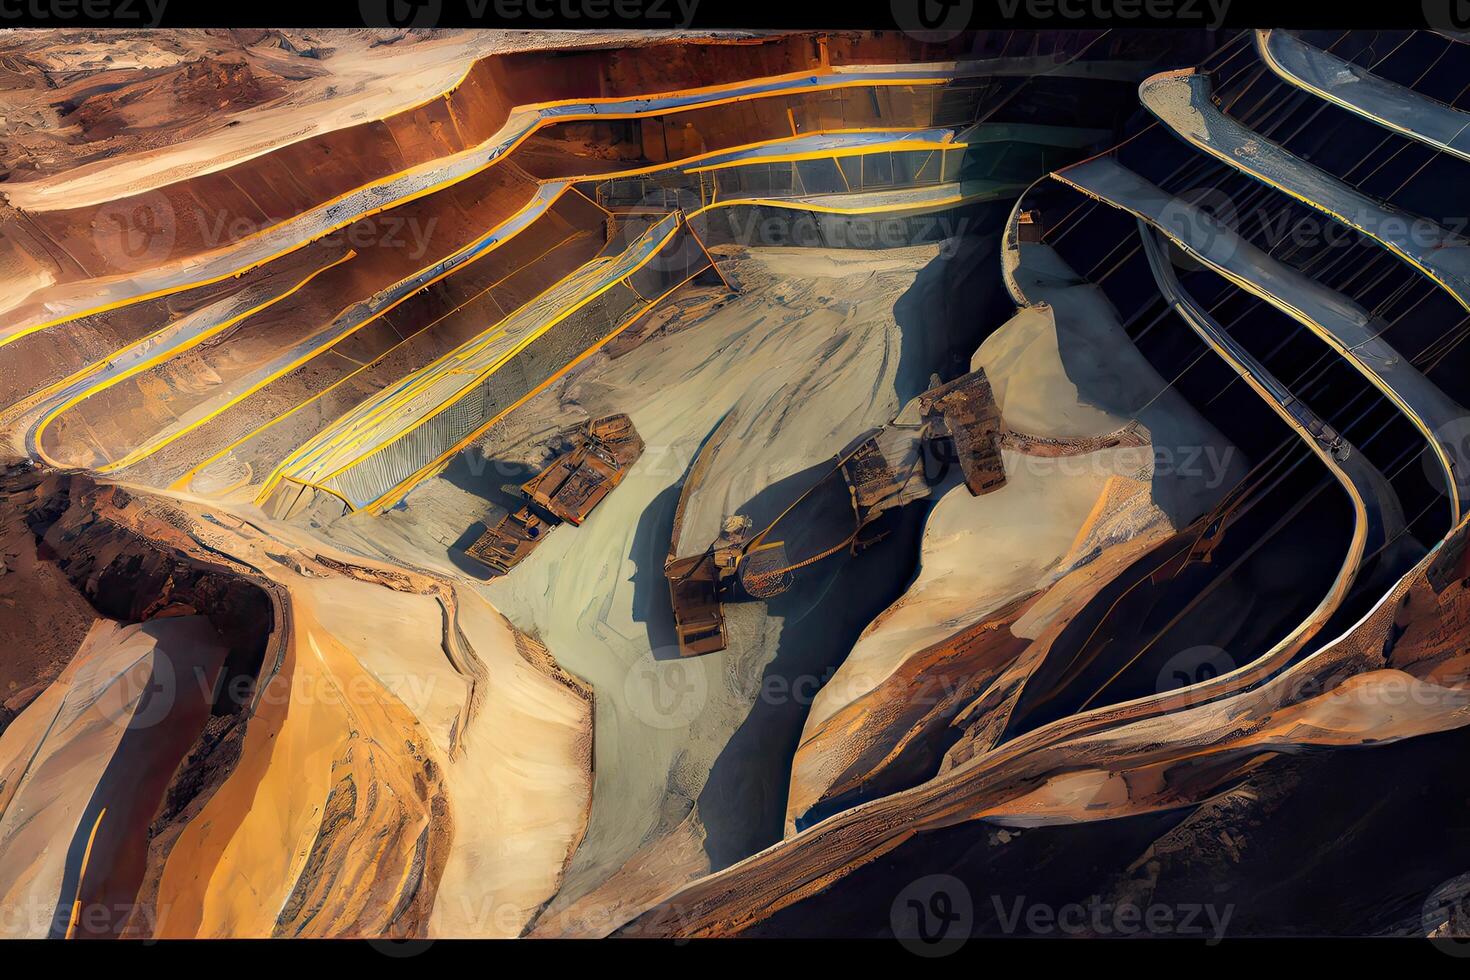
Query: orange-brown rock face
(320,758)
(1075,558)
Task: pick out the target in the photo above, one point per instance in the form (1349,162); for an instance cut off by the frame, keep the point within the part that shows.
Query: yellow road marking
(161,356)
(76,905)
(502,154)
(365,426)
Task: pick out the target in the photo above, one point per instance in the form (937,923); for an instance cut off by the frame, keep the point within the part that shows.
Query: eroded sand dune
(988,564)
(360,744)
(299,694)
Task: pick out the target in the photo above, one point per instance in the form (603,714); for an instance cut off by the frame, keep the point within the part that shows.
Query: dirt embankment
(91,559)
(1391,678)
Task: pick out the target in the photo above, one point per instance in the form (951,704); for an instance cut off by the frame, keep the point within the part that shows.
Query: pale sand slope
(20,275)
(322,723)
(809,361)
(1063,369)
(836,385)
(392,634)
(519,791)
(97,720)
(809,353)
(359,83)
(517,811)
(367,697)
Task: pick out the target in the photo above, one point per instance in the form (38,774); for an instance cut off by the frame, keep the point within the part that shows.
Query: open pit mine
(705,484)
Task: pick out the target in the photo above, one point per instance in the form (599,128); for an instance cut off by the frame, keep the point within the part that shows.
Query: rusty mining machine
(880,471)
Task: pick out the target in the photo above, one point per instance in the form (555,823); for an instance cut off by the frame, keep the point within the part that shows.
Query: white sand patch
(519,791)
(978,554)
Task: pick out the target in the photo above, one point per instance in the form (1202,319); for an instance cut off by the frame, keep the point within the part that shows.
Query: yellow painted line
(460,353)
(1263,49)
(1326,335)
(398,492)
(162,356)
(1256,671)
(76,905)
(322,440)
(865,149)
(363,427)
(505,151)
(156,445)
(684,162)
(314,486)
(1239,163)
(182,483)
(520,345)
(37,397)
